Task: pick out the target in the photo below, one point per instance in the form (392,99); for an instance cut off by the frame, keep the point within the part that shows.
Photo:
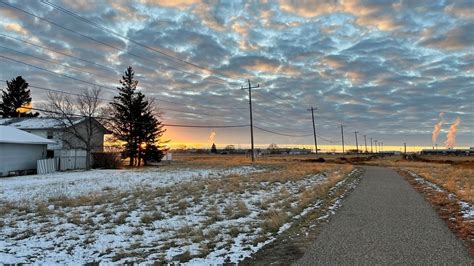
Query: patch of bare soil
(289,246)
(448,209)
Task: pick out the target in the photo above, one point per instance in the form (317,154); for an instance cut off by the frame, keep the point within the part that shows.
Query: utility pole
(357,144)
(371,147)
(251,118)
(342,134)
(405,146)
(375,146)
(381,144)
(365,141)
(314,129)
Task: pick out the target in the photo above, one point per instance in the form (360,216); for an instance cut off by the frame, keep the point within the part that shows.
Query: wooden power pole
(357,144)
(342,135)
(249,88)
(365,141)
(314,129)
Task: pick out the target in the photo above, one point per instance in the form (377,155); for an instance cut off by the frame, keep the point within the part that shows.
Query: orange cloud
(354,76)
(261,66)
(308,8)
(16,28)
(172,3)
(366,15)
(332,62)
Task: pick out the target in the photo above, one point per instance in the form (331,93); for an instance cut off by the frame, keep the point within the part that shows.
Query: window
(49,154)
(50,134)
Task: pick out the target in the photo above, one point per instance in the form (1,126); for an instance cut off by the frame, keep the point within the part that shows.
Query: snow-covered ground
(73,184)
(202,216)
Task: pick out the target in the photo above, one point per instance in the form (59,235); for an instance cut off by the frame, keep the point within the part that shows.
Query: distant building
(20,151)
(391,152)
(469,151)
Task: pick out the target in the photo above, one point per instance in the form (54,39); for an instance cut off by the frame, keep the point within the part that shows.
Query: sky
(385,69)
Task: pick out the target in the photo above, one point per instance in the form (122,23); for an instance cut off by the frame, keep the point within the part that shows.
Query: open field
(201,209)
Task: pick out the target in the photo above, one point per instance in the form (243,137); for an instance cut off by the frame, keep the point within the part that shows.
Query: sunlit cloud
(363,63)
(15,28)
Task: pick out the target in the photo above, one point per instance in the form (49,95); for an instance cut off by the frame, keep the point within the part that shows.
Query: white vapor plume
(451,137)
(437,128)
(212,137)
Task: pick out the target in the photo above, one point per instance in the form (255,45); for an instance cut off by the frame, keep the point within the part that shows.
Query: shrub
(106,160)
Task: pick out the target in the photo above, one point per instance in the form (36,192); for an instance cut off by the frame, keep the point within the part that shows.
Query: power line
(90,62)
(283,134)
(88,82)
(55,62)
(57,52)
(167,125)
(106,99)
(100,42)
(326,139)
(63,75)
(71,13)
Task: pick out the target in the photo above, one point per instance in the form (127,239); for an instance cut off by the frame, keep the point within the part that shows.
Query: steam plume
(212,137)
(451,137)
(437,128)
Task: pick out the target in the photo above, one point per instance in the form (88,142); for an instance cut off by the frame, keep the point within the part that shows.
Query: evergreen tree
(15,96)
(150,130)
(123,126)
(135,124)
(213,148)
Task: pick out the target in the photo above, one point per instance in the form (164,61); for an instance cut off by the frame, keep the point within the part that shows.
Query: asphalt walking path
(385,221)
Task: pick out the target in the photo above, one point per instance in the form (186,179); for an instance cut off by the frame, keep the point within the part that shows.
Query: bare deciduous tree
(78,117)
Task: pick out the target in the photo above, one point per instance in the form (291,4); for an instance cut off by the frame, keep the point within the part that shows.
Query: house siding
(72,142)
(15,157)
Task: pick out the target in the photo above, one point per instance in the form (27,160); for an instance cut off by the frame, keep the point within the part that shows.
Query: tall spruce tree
(213,148)
(15,96)
(135,124)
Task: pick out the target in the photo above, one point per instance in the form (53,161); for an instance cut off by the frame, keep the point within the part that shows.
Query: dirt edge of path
(448,209)
(291,245)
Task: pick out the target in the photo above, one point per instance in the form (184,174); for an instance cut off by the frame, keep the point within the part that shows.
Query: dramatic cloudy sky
(383,68)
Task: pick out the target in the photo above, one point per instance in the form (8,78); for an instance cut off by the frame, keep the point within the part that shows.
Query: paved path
(385,221)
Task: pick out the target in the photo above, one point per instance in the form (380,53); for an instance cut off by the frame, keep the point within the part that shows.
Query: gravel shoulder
(385,221)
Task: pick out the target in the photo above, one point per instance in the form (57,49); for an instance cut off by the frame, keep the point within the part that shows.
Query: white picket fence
(45,166)
(63,160)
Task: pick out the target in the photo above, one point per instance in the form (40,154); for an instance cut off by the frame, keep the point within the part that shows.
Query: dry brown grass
(459,181)
(273,220)
(448,209)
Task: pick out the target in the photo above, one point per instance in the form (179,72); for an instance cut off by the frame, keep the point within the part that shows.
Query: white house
(20,150)
(54,129)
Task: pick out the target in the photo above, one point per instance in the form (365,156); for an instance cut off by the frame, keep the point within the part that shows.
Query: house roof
(36,122)
(13,135)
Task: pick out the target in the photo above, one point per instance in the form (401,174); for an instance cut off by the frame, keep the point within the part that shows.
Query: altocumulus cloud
(384,68)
